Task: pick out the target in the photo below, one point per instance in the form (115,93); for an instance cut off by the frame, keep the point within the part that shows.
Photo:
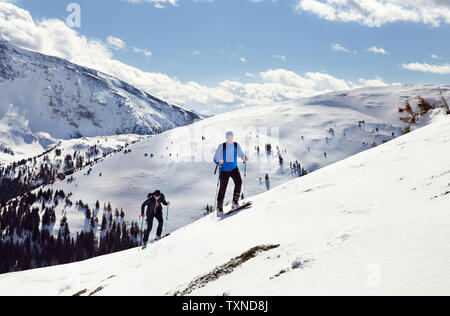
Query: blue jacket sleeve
(218,156)
(241,153)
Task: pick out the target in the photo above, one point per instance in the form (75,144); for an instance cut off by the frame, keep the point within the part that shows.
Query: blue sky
(235,40)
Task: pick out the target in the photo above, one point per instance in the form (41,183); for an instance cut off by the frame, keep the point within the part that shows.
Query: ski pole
(245,176)
(217,189)
(167,219)
(142,233)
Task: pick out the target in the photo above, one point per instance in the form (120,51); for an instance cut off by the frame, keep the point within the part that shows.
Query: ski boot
(235,205)
(220,211)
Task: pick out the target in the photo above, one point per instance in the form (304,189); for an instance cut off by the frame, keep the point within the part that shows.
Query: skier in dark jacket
(227,157)
(154,209)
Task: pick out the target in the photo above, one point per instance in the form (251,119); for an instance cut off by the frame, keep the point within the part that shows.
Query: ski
(240,208)
(155,240)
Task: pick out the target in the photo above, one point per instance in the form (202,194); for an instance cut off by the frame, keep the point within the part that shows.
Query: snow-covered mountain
(121,170)
(179,161)
(43,98)
(373,224)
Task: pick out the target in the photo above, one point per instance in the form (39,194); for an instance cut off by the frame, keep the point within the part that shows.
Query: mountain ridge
(54,91)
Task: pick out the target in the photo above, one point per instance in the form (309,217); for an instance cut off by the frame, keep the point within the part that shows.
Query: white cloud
(376,82)
(160,4)
(53,37)
(50,36)
(339,48)
(243,60)
(280,57)
(424,67)
(145,52)
(375,13)
(116,42)
(377,50)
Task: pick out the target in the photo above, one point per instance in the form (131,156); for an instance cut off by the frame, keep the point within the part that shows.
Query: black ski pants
(150,217)
(224,178)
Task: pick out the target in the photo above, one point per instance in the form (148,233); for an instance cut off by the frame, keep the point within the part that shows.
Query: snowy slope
(17,140)
(182,167)
(51,95)
(373,224)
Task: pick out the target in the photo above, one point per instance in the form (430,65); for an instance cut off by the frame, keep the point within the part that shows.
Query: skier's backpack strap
(235,151)
(223,152)
(225,146)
